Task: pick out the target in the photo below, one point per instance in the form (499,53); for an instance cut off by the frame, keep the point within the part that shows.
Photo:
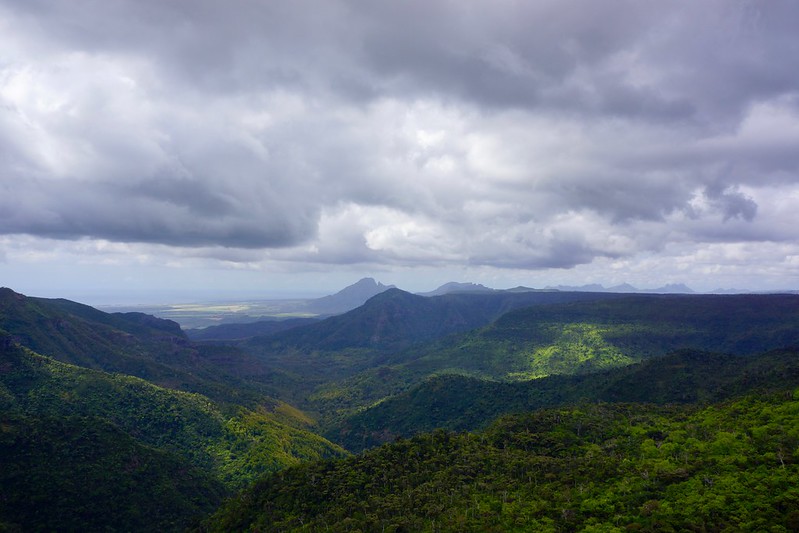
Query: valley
(399,267)
(471,409)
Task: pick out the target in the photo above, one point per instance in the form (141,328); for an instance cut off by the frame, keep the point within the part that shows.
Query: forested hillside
(133,344)
(607,467)
(396,319)
(577,337)
(586,336)
(461,403)
(124,426)
(70,473)
(316,360)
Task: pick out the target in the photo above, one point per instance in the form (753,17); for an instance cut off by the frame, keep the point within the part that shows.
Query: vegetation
(588,336)
(559,339)
(395,319)
(133,344)
(607,467)
(462,403)
(321,357)
(85,474)
(69,425)
(233,443)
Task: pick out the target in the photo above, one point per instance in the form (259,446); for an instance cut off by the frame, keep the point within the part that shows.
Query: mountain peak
(364,285)
(349,297)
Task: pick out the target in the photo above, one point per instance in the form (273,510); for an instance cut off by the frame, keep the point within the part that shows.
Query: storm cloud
(513,135)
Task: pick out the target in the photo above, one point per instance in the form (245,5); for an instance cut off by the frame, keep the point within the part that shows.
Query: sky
(157,149)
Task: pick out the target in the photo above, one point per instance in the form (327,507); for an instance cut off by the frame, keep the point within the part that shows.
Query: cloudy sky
(293,146)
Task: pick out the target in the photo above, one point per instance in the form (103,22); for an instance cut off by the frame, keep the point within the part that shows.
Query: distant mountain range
(672,288)
(273,320)
(624,288)
(262,317)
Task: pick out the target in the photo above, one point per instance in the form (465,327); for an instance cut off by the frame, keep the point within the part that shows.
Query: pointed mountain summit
(348,298)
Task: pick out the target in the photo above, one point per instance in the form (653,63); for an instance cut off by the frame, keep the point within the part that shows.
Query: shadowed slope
(463,403)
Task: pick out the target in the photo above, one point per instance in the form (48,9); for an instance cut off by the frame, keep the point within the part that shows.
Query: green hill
(587,336)
(609,468)
(234,443)
(574,338)
(308,359)
(81,335)
(395,319)
(134,344)
(85,474)
(461,403)
(223,447)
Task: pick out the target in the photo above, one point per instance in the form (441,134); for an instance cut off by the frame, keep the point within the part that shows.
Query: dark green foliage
(589,336)
(653,324)
(233,444)
(134,344)
(463,403)
(316,361)
(81,335)
(84,474)
(595,468)
(305,358)
(574,338)
(86,450)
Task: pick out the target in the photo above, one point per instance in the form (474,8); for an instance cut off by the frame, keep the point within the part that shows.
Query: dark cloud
(731,202)
(626,196)
(519,135)
(494,53)
(68,211)
(557,254)
(675,60)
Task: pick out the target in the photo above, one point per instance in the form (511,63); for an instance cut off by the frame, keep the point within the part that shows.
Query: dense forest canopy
(606,467)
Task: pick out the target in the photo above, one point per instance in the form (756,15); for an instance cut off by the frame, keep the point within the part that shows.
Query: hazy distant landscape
(215,312)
